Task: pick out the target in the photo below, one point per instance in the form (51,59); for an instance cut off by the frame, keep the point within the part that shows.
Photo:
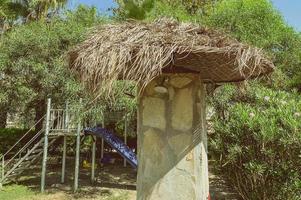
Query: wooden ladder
(14,164)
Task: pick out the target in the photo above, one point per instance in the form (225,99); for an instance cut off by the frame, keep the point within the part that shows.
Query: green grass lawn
(13,192)
(19,192)
(115,180)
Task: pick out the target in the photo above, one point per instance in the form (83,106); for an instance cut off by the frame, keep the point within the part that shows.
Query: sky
(290,9)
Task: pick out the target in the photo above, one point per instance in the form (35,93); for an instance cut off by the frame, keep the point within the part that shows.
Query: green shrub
(9,136)
(257,138)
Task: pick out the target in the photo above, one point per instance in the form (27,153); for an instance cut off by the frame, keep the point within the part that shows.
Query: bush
(9,136)
(257,139)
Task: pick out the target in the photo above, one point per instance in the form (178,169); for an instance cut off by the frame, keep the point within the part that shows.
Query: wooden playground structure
(58,123)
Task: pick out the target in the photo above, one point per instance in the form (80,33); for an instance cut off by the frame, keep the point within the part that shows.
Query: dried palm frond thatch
(141,51)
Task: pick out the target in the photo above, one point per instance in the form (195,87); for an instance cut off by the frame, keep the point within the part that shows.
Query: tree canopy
(33,59)
(260,24)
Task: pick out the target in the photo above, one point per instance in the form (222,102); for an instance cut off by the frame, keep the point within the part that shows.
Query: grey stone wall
(172,141)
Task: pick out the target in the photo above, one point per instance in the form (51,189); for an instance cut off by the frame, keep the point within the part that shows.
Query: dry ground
(114,182)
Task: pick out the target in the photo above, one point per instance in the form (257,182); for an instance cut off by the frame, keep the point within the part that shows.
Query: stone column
(172,143)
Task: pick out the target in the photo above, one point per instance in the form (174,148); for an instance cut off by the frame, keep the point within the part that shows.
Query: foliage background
(255,138)
(255,134)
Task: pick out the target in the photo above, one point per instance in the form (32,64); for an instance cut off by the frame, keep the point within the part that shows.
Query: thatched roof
(141,51)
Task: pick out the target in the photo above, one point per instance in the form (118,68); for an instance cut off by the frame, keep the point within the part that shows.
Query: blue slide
(114,142)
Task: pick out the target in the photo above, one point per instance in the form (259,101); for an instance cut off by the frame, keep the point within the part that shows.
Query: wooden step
(19,170)
(7,181)
(31,157)
(23,163)
(14,174)
(39,151)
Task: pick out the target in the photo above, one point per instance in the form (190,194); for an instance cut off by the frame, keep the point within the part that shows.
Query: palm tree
(134,9)
(35,9)
(9,12)
(42,8)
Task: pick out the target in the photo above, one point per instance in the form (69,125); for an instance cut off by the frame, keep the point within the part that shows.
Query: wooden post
(44,163)
(2,172)
(64,159)
(77,153)
(102,148)
(102,141)
(93,159)
(125,137)
(65,144)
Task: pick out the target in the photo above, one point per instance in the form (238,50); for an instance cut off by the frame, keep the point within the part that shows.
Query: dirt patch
(113,182)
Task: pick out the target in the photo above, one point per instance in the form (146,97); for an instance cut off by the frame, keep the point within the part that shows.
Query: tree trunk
(40,110)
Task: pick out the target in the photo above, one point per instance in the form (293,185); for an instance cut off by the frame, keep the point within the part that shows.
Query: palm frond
(140,52)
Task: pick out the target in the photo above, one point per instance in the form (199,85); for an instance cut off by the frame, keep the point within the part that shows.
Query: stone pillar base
(172,140)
